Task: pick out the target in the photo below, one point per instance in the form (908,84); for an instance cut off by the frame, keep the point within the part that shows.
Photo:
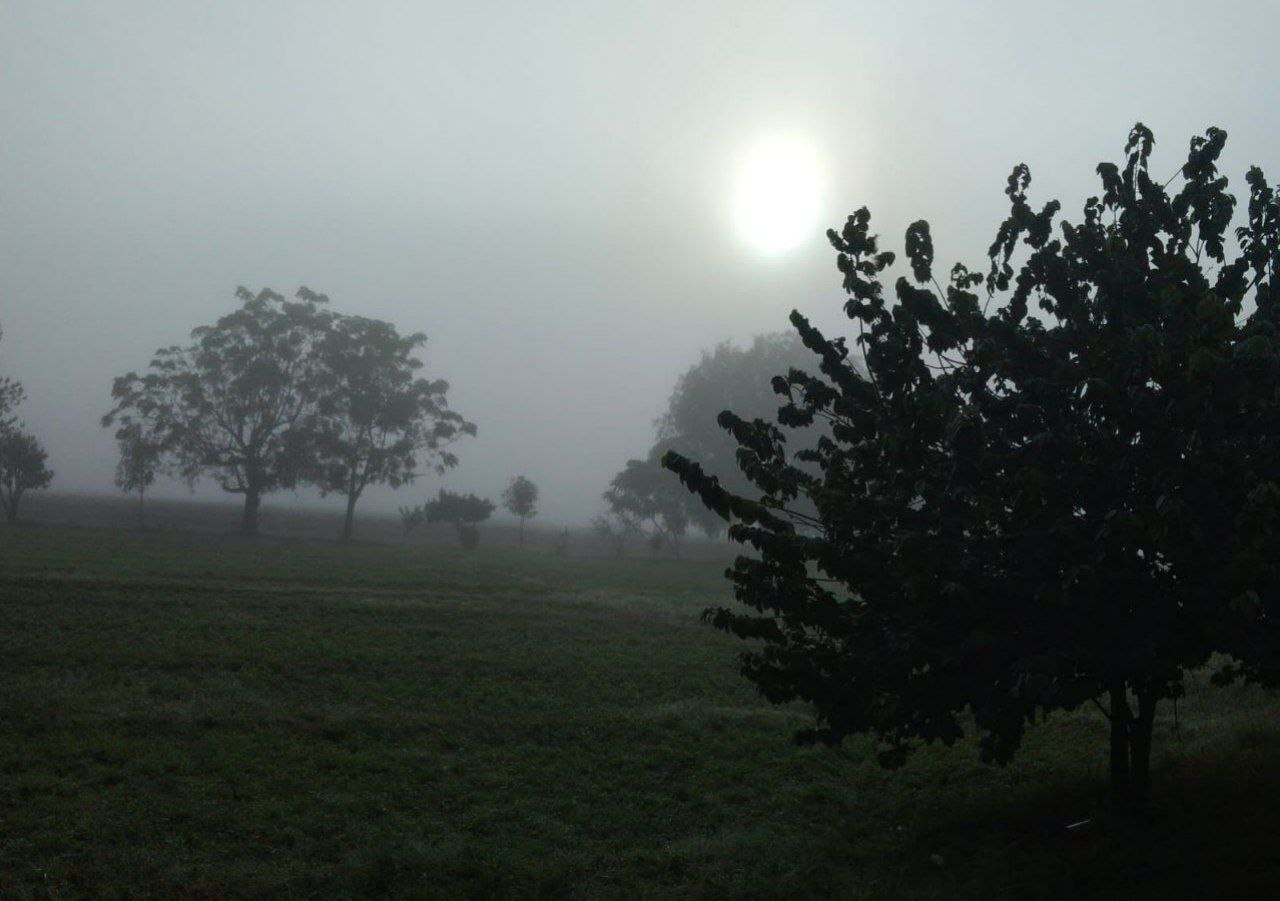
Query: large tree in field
(22,468)
(1058,489)
(239,402)
(378,421)
(728,377)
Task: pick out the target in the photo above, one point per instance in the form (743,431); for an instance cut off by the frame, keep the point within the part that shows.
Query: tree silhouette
(239,403)
(520,498)
(11,395)
(726,377)
(642,494)
(22,468)
(464,511)
(376,419)
(141,457)
(1018,512)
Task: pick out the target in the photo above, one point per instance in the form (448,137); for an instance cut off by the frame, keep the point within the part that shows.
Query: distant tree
(465,511)
(239,403)
(141,457)
(1017,514)
(727,377)
(616,529)
(11,395)
(377,420)
(521,499)
(410,519)
(22,468)
(642,494)
(561,546)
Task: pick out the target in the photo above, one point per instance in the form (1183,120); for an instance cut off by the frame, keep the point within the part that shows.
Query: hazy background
(544,189)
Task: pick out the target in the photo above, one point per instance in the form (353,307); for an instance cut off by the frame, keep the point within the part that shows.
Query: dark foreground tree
(727,377)
(521,499)
(239,403)
(141,456)
(377,420)
(464,511)
(1064,492)
(22,468)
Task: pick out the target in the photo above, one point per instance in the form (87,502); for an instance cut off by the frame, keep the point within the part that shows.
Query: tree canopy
(376,419)
(727,377)
(520,497)
(239,402)
(643,495)
(11,395)
(1062,489)
(22,468)
(464,511)
(141,459)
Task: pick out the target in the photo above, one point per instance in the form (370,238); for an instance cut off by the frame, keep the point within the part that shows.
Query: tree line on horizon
(281,393)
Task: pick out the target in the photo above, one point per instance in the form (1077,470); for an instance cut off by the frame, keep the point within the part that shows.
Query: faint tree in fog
(141,456)
(734,378)
(378,421)
(521,498)
(239,403)
(616,529)
(410,519)
(1020,513)
(11,395)
(464,511)
(643,494)
(22,468)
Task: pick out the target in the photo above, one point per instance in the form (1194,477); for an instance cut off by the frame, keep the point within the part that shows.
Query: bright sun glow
(776,195)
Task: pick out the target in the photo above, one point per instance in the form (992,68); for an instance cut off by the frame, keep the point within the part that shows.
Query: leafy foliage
(240,402)
(376,420)
(11,395)
(465,511)
(642,495)
(520,497)
(1019,512)
(141,459)
(22,468)
(734,378)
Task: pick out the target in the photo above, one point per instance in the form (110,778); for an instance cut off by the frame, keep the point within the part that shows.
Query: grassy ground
(214,718)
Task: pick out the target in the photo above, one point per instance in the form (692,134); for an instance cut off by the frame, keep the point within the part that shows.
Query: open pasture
(205,716)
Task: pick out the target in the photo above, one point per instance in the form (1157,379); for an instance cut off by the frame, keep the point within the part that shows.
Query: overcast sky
(545,189)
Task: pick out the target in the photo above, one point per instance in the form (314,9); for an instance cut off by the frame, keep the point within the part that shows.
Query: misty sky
(545,189)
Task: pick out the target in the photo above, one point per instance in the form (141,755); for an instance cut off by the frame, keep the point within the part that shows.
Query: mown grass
(217,718)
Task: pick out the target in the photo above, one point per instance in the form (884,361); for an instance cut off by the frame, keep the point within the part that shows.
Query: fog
(545,190)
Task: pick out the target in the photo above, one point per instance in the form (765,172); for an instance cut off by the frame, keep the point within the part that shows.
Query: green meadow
(209,717)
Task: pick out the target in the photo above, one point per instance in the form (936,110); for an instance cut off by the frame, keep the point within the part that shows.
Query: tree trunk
(1131,746)
(249,520)
(1120,716)
(1140,747)
(11,508)
(522,531)
(142,513)
(349,523)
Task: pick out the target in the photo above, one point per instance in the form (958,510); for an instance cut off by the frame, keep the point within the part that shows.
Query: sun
(776,195)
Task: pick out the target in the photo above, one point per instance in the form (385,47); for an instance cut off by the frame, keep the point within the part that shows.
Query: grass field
(207,717)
